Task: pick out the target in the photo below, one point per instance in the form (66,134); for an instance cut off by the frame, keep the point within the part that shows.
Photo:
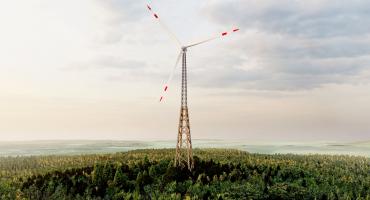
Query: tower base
(184,152)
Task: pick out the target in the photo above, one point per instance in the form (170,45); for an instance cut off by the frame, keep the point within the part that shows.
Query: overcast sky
(94,69)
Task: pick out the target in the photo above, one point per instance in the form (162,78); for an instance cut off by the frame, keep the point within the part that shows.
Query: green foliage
(120,178)
(7,190)
(218,174)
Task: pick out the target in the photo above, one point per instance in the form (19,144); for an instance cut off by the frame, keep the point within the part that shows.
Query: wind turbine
(184,152)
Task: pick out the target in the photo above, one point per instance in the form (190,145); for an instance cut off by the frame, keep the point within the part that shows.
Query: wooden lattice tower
(184,151)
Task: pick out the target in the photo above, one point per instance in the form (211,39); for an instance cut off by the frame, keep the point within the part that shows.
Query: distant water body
(75,147)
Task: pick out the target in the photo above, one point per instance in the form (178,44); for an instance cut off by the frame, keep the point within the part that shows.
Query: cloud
(114,15)
(285,45)
(127,10)
(277,71)
(290,45)
(108,62)
(324,18)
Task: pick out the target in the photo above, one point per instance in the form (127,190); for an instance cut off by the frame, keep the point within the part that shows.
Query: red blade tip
(160,99)
(224,33)
(149,7)
(165,88)
(155,15)
(235,30)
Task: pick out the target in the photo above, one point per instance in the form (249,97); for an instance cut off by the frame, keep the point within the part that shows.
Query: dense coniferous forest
(218,174)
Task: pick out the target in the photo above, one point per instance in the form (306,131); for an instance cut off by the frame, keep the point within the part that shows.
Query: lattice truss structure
(184,152)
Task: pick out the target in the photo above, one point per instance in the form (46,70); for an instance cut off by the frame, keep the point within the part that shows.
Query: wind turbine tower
(184,152)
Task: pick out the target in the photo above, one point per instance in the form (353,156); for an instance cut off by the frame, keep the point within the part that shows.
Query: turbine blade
(212,38)
(166,86)
(173,69)
(201,42)
(164,25)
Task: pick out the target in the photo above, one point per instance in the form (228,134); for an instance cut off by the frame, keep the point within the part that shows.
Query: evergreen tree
(109,171)
(120,178)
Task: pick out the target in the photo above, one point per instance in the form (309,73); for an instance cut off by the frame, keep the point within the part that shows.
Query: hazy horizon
(241,140)
(78,147)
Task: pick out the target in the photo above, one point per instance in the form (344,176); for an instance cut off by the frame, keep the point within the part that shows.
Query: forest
(218,174)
